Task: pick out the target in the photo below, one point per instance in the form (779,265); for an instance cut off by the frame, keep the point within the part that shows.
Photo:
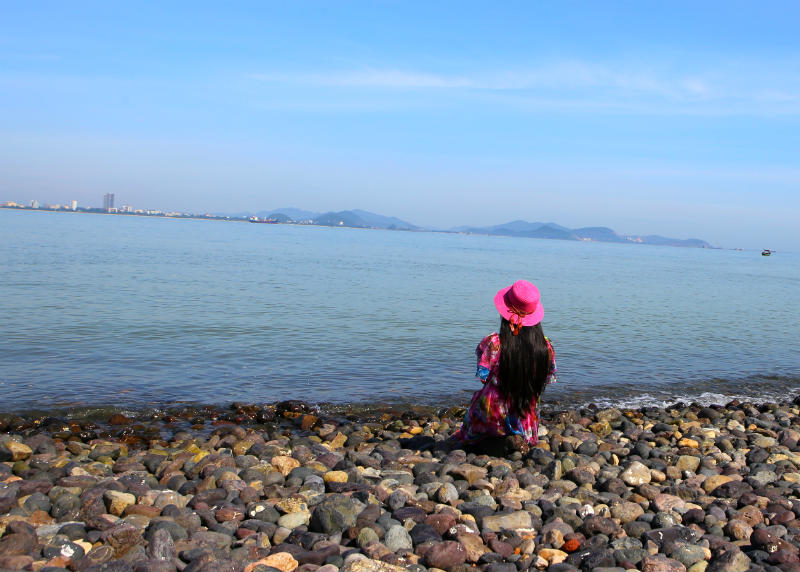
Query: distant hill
(379,221)
(599,233)
(592,233)
(362,219)
(357,218)
(341,218)
(664,241)
(526,229)
(293,213)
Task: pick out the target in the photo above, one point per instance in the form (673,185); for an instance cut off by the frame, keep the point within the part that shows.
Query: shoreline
(246,412)
(288,486)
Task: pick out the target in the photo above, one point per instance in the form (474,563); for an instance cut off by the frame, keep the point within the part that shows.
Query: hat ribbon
(518,314)
(515,322)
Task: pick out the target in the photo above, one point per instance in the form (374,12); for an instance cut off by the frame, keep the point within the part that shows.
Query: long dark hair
(524,364)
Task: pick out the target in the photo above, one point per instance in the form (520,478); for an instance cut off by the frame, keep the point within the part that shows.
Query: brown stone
(660,563)
(284,464)
(473,544)
(280,560)
(17,543)
(446,555)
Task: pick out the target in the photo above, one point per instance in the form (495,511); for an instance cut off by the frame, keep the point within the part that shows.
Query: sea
(146,312)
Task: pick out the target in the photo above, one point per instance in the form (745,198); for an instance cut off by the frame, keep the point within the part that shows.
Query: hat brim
(529,320)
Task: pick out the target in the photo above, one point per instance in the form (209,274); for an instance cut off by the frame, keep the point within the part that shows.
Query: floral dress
(488,414)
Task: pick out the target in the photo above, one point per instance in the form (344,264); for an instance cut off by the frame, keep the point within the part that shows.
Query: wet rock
(14,451)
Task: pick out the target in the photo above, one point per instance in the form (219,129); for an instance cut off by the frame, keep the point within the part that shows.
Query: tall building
(108,201)
(73,205)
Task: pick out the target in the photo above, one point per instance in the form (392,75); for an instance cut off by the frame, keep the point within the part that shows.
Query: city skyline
(676,119)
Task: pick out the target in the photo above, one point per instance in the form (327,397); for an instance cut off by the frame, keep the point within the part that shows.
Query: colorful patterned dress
(488,414)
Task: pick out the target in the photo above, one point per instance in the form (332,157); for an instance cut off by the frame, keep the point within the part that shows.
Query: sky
(673,118)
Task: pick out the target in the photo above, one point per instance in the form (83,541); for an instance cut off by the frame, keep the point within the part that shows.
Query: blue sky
(673,118)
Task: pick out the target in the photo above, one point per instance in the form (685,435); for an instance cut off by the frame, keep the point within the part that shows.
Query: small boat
(766,252)
(264,221)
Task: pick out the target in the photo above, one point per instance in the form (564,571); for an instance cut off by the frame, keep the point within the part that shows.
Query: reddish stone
(228,513)
(446,555)
(16,562)
(440,522)
(244,532)
(119,419)
(572,542)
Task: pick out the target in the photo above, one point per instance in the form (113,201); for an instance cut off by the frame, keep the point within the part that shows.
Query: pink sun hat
(519,304)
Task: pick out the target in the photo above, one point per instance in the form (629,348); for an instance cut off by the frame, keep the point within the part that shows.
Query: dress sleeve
(552,375)
(488,352)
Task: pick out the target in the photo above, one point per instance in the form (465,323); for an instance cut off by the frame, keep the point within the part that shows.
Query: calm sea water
(137,312)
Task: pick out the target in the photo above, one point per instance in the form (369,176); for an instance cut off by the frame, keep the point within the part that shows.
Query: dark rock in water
(334,514)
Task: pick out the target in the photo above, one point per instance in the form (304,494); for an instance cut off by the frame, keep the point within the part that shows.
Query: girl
(514,367)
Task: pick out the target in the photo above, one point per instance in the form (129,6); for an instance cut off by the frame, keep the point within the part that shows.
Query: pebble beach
(286,486)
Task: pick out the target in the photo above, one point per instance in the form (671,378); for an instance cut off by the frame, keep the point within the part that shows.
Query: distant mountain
(380,221)
(293,213)
(362,219)
(279,217)
(592,233)
(358,218)
(599,233)
(664,241)
(341,218)
(526,229)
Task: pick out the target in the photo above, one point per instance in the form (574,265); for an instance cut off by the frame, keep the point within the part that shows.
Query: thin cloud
(578,84)
(383,78)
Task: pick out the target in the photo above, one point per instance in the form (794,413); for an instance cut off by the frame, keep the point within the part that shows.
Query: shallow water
(137,312)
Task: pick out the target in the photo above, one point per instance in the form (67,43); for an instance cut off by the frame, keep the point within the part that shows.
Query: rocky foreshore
(285,487)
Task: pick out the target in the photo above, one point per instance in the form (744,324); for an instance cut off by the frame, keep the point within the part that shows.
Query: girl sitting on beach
(514,366)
